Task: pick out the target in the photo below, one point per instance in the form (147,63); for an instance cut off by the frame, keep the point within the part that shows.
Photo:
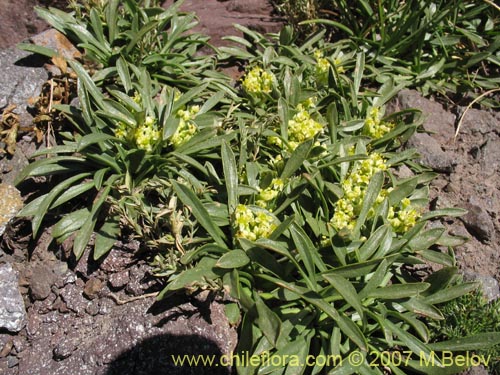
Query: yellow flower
(302,127)
(354,187)
(374,126)
(270,193)
(147,134)
(186,128)
(258,81)
(253,224)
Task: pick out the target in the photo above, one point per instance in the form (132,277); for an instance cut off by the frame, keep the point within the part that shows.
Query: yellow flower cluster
(302,127)
(147,134)
(405,218)
(354,186)
(253,224)
(186,128)
(374,126)
(258,81)
(322,65)
(271,192)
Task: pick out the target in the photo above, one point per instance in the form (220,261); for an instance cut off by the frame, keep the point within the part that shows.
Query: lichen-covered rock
(12,310)
(10,204)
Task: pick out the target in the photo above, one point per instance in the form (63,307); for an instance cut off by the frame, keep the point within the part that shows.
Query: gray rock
(437,121)
(479,121)
(119,279)
(22,78)
(490,157)
(489,285)
(12,310)
(431,154)
(478,222)
(477,370)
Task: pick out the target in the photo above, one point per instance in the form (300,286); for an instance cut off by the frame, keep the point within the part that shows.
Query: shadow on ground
(158,356)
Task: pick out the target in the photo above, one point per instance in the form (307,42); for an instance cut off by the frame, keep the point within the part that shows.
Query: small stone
(489,285)
(93,308)
(93,287)
(478,222)
(119,280)
(19,344)
(12,361)
(55,40)
(73,298)
(12,310)
(7,348)
(63,350)
(431,154)
(41,282)
(10,204)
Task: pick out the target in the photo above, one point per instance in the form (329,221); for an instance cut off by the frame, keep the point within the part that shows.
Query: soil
(102,318)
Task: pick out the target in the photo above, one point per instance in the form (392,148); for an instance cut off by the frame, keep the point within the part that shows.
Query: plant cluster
(280,190)
(447,47)
(468,315)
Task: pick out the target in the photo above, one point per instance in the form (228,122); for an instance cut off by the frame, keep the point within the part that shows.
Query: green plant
(119,149)
(313,231)
(114,33)
(437,46)
(470,314)
(281,190)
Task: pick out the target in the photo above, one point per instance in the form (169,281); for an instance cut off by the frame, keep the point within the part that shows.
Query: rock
(56,41)
(477,370)
(437,121)
(64,349)
(248,6)
(12,310)
(93,287)
(42,280)
(119,280)
(10,204)
(22,78)
(479,121)
(478,222)
(73,298)
(489,285)
(431,154)
(490,157)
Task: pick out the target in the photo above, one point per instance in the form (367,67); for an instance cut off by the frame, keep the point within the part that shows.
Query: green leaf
(424,240)
(230,177)
(189,199)
(70,223)
(192,255)
(374,241)
(44,51)
(106,237)
(90,139)
(475,342)
(451,293)
(398,291)
(346,290)
(202,272)
(233,259)
(83,237)
(298,157)
(267,320)
(85,79)
(49,199)
(232,311)
(415,345)
(371,195)
(124,74)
